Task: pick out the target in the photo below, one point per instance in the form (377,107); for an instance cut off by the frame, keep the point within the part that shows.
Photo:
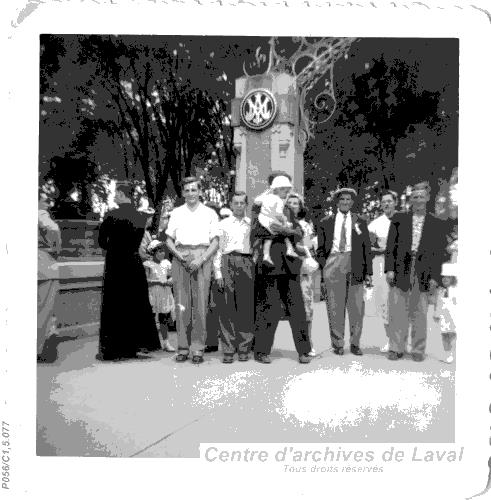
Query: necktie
(342,241)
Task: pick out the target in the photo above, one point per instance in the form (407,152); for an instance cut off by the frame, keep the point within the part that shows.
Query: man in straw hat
(127,322)
(344,253)
(413,260)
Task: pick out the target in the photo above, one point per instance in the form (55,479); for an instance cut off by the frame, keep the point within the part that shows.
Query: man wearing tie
(413,260)
(344,253)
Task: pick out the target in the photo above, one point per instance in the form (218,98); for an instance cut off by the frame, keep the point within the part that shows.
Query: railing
(79,240)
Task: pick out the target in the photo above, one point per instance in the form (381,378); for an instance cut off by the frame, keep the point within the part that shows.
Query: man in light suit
(344,254)
(413,261)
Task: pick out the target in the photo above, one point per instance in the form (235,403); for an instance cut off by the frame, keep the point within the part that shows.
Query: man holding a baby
(276,242)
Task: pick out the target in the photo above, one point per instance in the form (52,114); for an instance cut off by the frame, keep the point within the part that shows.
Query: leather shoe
(243,357)
(417,356)
(356,350)
(227,359)
(262,358)
(180,358)
(339,351)
(393,356)
(197,359)
(304,359)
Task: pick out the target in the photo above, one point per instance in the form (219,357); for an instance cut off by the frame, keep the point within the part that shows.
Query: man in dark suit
(278,291)
(413,260)
(344,254)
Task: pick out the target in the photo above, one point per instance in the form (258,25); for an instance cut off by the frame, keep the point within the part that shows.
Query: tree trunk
(156,217)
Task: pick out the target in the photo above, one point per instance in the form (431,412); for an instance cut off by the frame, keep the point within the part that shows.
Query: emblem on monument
(258,109)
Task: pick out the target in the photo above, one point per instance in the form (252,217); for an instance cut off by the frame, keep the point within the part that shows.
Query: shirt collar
(198,207)
(236,219)
(340,214)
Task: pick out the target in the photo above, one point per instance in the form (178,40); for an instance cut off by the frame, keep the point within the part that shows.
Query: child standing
(272,211)
(446,310)
(158,272)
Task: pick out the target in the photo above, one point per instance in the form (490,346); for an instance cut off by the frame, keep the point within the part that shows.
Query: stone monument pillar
(265,117)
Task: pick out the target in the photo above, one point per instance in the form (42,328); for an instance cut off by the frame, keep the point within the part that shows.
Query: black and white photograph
(248,253)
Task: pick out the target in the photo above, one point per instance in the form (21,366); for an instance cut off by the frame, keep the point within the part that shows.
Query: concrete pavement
(155,407)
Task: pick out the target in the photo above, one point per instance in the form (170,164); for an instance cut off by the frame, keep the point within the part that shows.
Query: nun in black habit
(127,321)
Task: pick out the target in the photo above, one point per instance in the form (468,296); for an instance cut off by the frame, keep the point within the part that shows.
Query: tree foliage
(156,109)
(395,123)
(141,108)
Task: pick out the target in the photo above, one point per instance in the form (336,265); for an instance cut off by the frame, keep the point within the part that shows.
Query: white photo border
(40,477)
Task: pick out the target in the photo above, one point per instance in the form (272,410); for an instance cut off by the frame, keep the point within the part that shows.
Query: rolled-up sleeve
(214,228)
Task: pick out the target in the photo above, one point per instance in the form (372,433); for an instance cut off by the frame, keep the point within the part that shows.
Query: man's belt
(239,254)
(179,246)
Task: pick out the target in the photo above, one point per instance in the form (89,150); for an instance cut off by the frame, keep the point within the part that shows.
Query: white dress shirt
(234,237)
(380,228)
(193,227)
(418,221)
(338,224)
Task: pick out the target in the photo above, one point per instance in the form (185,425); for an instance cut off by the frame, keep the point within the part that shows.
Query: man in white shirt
(379,230)
(344,254)
(234,272)
(192,236)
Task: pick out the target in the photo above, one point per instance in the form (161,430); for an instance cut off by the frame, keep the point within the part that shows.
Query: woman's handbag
(309,264)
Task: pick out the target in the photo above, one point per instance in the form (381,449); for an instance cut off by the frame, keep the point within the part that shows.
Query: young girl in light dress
(446,310)
(159,279)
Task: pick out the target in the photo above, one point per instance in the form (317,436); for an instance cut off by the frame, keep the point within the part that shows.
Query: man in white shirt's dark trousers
(234,273)
(413,261)
(192,236)
(344,254)
(278,292)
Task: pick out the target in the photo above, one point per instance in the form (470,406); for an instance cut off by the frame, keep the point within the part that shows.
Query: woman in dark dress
(127,323)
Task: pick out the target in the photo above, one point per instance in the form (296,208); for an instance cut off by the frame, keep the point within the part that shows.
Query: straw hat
(345,190)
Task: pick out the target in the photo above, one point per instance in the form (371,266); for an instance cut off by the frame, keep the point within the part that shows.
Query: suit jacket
(430,254)
(361,254)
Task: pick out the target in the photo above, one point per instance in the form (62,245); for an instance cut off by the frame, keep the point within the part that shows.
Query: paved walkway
(157,408)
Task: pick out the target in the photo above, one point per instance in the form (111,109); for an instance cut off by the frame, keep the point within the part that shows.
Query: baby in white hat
(446,310)
(272,211)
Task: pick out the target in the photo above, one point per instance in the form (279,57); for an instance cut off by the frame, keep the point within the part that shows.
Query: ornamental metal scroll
(311,61)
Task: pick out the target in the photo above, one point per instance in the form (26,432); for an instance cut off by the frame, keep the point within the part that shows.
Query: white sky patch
(337,398)
(215,391)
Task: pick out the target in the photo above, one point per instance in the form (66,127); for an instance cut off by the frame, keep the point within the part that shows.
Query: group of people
(260,270)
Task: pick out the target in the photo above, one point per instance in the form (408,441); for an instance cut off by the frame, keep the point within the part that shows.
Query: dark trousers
(277,291)
(212,321)
(236,306)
